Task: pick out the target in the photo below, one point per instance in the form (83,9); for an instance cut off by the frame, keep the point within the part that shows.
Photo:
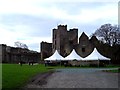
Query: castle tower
(59,39)
(63,40)
(73,36)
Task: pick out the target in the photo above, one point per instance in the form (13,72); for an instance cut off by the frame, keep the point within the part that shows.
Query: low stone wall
(82,63)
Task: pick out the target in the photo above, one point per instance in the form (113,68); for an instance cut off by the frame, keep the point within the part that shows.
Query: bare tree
(109,34)
(20,45)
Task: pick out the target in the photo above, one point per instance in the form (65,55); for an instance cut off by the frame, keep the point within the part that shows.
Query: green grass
(112,66)
(114,71)
(15,76)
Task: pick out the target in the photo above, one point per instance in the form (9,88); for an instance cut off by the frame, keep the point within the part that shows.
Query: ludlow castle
(65,41)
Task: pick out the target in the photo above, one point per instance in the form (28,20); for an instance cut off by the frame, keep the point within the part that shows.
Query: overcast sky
(32,21)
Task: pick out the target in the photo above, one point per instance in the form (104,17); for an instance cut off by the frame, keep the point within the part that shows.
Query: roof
(95,55)
(73,55)
(83,36)
(55,56)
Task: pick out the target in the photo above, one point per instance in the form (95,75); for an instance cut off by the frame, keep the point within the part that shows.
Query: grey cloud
(39,26)
(74,7)
(34,46)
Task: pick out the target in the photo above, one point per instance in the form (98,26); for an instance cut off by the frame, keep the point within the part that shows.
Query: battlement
(3,45)
(74,29)
(62,27)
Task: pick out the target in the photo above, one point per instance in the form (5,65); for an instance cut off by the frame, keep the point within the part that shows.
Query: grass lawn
(114,71)
(14,75)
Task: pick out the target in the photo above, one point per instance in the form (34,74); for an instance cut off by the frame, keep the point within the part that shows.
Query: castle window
(83,49)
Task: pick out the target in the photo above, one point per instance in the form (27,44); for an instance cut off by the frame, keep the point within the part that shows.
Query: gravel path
(80,78)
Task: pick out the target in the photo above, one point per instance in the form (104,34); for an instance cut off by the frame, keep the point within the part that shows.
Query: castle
(65,40)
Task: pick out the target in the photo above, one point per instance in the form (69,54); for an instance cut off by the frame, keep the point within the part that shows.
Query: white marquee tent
(55,56)
(95,55)
(73,55)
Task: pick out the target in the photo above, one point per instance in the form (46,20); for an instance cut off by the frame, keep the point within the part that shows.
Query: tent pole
(98,63)
(60,62)
(109,62)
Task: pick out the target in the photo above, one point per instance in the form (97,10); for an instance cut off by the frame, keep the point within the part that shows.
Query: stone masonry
(15,55)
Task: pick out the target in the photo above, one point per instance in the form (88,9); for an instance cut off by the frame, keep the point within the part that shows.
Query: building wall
(15,55)
(2,52)
(84,51)
(85,47)
(46,50)
(73,36)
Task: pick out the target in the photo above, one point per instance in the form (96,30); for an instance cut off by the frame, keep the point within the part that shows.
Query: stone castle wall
(15,55)
(46,50)
(85,46)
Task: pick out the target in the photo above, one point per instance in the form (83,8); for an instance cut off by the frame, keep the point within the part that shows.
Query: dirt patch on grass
(38,80)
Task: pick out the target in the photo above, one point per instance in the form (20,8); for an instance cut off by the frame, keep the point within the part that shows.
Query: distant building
(15,55)
(65,40)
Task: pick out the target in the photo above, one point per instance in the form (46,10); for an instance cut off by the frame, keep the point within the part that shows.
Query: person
(32,62)
(20,63)
(65,64)
(29,63)
(45,63)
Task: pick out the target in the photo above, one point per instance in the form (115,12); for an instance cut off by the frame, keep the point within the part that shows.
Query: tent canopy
(55,56)
(95,55)
(73,55)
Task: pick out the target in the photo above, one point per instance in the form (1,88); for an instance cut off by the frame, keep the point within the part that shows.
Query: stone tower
(64,40)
